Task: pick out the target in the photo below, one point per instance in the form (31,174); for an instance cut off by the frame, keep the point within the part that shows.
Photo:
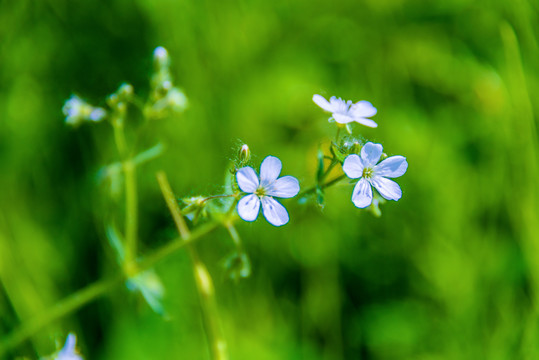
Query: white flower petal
(338,105)
(366,122)
(363,109)
(270,170)
(362,194)
(247,179)
(71,342)
(389,189)
(248,207)
(392,167)
(69,352)
(371,153)
(285,187)
(352,166)
(274,212)
(322,102)
(342,118)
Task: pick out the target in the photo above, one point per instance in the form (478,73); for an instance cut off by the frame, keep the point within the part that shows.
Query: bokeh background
(451,271)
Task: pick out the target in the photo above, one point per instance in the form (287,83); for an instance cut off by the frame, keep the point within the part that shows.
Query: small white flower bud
(176,99)
(166,85)
(160,56)
(112,100)
(244,155)
(125,91)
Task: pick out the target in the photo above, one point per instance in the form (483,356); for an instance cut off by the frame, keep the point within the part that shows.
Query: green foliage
(451,271)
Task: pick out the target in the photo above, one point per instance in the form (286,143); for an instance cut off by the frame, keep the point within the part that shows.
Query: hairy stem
(218,197)
(203,280)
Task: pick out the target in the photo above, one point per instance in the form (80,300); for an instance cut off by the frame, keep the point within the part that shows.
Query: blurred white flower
(69,352)
(77,110)
(345,112)
(263,191)
(366,169)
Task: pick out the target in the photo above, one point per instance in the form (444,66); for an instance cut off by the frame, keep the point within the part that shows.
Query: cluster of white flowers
(365,167)
(261,190)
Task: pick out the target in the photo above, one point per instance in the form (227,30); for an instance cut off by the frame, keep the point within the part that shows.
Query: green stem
(95,291)
(131,207)
(234,235)
(218,197)
(119,138)
(328,184)
(203,280)
(131,212)
(338,133)
(328,170)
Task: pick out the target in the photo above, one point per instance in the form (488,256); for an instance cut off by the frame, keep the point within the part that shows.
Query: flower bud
(244,155)
(160,57)
(125,91)
(176,99)
(112,100)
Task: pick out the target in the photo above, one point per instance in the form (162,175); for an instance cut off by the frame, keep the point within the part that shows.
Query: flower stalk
(203,280)
(131,198)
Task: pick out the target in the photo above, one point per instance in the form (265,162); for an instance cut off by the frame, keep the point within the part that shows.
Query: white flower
(346,112)
(365,169)
(263,191)
(68,352)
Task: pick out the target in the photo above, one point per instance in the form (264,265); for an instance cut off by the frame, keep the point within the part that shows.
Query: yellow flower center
(367,172)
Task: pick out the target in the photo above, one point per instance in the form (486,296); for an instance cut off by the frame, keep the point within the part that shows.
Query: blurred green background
(451,271)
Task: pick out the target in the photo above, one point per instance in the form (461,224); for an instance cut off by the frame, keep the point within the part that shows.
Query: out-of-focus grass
(449,272)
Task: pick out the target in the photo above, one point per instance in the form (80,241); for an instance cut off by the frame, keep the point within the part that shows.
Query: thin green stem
(328,184)
(119,138)
(131,212)
(234,235)
(218,197)
(96,290)
(328,170)
(59,310)
(338,132)
(203,280)
(131,198)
